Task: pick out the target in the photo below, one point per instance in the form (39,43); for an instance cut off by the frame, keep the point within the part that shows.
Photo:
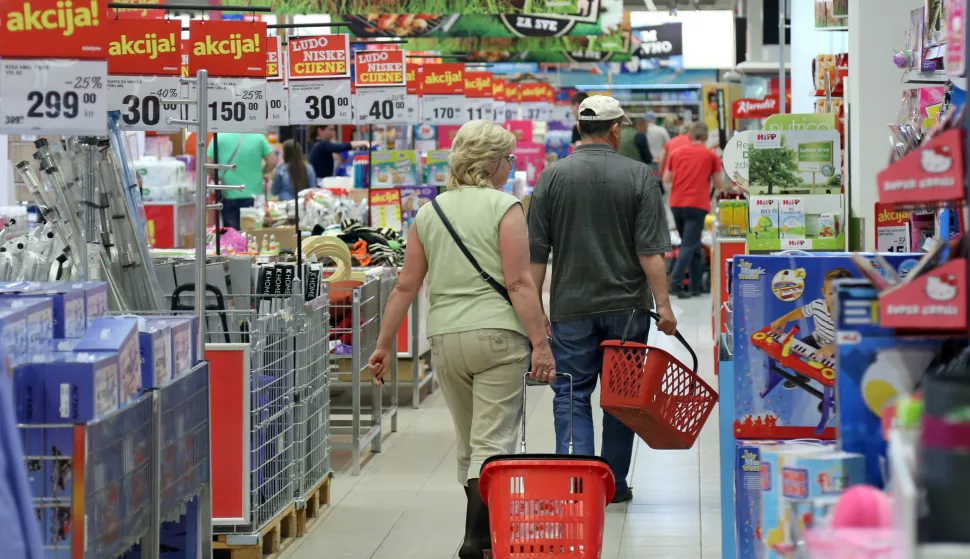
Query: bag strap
(464,250)
(232,156)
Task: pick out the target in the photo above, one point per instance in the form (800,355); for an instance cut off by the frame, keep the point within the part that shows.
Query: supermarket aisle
(407,502)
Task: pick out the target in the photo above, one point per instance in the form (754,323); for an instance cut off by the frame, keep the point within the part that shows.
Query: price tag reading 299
(63,97)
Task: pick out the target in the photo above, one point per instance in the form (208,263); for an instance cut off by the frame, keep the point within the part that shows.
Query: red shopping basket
(543,506)
(654,394)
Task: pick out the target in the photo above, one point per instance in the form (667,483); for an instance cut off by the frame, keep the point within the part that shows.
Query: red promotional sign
(152,48)
(414,86)
(534,92)
(932,173)
(186,47)
(478,85)
(48,29)
(755,108)
(936,300)
(442,79)
(323,56)
(498,89)
(512,92)
(273,58)
(379,68)
(228,49)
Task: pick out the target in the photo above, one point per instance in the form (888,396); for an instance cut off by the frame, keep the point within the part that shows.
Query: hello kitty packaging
(932,173)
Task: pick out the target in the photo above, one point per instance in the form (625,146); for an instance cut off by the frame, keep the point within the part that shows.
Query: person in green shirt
(254,158)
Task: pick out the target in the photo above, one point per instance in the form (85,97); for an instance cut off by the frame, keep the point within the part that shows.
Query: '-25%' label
(235,105)
(61,97)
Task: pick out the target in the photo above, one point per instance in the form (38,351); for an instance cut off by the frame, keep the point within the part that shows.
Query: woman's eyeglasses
(511,159)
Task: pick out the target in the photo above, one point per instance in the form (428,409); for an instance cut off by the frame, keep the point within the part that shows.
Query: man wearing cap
(603,215)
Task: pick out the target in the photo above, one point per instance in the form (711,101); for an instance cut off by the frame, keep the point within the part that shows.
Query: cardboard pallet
(272,540)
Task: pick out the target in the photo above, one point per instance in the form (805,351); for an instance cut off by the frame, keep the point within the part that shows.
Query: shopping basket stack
(546,505)
(653,393)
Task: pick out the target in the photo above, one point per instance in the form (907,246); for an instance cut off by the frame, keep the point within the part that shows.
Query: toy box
(40,320)
(791,218)
(68,306)
(784,343)
(28,390)
(95,297)
(13,333)
(763,218)
(874,366)
(120,335)
(436,168)
(155,347)
(183,342)
(775,525)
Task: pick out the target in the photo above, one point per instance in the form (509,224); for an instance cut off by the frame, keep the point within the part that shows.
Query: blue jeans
(690,224)
(576,347)
(230,210)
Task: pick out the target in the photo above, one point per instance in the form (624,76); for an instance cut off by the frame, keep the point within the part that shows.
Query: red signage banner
(323,56)
(228,49)
(498,89)
(755,108)
(478,85)
(442,79)
(48,29)
(273,55)
(414,86)
(512,92)
(534,92)
(379,68)
(931,174)
(152,48)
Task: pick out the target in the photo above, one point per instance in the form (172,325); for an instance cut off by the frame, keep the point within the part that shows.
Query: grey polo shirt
(598,210)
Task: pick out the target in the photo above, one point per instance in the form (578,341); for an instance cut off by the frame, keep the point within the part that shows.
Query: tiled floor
(407,503)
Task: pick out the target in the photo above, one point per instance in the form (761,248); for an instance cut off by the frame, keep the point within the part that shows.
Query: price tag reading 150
(236,105)
(62,97)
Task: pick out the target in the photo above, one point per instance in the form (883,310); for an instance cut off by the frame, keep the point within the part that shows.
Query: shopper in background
(294,171)
(633,142)
(323,149)
(603,216)
(689,173)
(479,336)
(254,158)
(574,102)
(657,139)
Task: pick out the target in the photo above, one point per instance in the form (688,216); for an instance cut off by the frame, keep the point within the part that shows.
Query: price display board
(53,72)
(319,73)
(381,80)
(143,72)
(563,113)
(442,93)
(234,54)
(498,100)
(511,101)
(277,97)
(385,208)
(479,104)
(535,101)
(892,229)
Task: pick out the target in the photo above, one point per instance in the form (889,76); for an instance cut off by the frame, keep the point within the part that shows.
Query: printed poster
(385,209)
(394,168)
(412,198)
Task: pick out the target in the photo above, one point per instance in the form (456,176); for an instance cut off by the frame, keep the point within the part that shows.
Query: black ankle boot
(478,534)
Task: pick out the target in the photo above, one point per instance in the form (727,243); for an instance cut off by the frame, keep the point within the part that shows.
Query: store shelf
(914,77)
(807,245)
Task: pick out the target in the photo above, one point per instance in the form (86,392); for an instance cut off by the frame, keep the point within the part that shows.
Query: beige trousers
(480,373)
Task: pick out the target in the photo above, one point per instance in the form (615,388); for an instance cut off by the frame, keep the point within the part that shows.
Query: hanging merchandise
(233,52)
(442,93)
(277,95)
(380,78)
(319,80)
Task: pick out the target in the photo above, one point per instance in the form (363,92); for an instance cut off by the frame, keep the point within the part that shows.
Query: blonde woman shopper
(480,324)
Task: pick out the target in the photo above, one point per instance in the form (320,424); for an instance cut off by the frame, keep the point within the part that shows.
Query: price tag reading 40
(321,102)
(383,105)
(141,100)
(236,105)
(62,97)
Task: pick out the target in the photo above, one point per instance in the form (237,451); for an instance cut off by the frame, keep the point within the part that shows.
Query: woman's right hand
(543,364)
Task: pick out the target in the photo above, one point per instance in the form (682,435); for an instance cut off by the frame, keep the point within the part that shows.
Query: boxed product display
(183,341)
(13,333)
(791,218)
(117,335)
(40,319)
(394,168)
(68,306)
(763,216)
(784,343)
(436,169)
(155,346)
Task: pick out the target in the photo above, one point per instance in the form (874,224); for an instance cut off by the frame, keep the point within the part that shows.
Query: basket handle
(677,334)
(526,382)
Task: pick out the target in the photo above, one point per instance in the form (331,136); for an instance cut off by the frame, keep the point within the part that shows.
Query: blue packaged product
(775,526)
(40,320)
(183,342)
(155,345)
(784,343)
(875,365)
(120,335)
(13,334)
(96,299)
(28,387)
(68,307)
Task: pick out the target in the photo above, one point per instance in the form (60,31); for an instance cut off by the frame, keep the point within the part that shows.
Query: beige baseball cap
(603,107)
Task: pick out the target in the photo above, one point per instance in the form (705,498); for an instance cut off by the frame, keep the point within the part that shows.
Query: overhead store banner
(615,47)
(587,10)
(53,70)
(660,41)
(319,74)
(234,54)
(442,93)
(144,65)
(380,77)
(277,95)
(479,103)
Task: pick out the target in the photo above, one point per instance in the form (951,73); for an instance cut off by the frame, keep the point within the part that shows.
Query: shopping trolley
(653,393)
(544,505)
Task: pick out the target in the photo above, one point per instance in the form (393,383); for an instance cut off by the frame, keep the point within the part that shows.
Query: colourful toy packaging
(775,526)
(874,366)
(828,225)
(394,168)
(155,347)
(119,335)
(791,218)
(784,343)
(763,218)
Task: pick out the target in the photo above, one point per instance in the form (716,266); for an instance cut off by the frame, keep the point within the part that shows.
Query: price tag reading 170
(236,105)
(382,105)
(444,109)
(62,97)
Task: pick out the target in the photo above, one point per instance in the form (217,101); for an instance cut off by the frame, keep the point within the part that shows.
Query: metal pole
(219,197)
(201,189)
(782,78)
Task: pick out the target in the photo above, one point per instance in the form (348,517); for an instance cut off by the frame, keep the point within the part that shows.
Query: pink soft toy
(863,506)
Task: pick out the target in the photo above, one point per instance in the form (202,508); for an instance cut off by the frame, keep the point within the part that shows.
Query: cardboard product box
(40,320)
(785,382)
(119,335)
(13,333)
(155,347)
(95,297)
(184,335)
(68,306)
(763,218)
(775,525)
(741,215)
(791,218)
(28,390)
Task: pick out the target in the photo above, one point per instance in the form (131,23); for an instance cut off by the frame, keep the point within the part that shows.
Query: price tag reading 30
(236,105)
(382,105)
(321,102)
(141,100)
(60,97)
